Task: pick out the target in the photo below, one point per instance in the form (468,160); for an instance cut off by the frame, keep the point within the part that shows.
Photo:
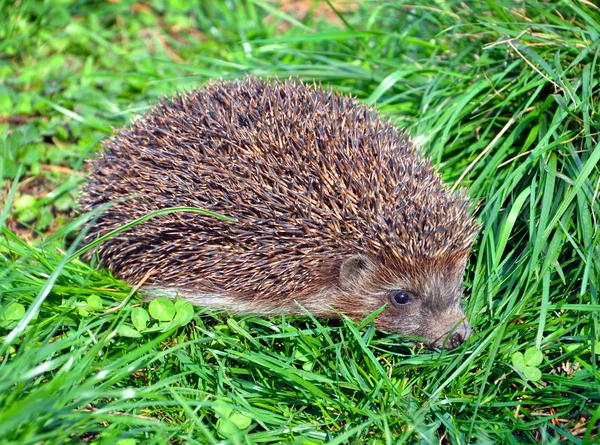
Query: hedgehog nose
(460,334)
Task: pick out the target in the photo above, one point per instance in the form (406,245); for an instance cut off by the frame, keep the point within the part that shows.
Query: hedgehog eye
(401,298)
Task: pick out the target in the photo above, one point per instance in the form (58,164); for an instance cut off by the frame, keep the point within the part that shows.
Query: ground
(503,96)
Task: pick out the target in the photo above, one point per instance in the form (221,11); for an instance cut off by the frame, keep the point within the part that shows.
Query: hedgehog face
(423,301)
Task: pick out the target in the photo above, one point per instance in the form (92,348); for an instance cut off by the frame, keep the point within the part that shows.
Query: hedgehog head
(415,266)
(422,295)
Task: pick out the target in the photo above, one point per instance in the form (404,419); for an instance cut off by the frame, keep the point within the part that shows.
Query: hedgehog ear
(355,271)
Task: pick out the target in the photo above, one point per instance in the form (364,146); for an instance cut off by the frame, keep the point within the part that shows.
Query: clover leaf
(527,364)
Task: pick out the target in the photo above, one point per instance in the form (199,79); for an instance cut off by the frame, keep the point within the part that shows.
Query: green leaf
(532,373)
(162,309)
(14,311)
(225,428)
(82,312)
(518,360)
(140,318)
(5,100)
(126,331)
(240,420)
(185,312)
(533,357)
(300,356)
(8,324)
(307,364)
(222,410)
(64,202)
(94,302)
(24,202)
(230,422)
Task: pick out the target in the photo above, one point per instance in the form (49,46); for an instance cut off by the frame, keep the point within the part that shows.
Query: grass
(504,96)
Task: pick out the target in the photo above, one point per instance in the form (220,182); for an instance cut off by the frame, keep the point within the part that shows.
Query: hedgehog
(333,210)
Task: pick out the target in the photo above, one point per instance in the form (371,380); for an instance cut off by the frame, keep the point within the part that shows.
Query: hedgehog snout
(454,337)
(459,335)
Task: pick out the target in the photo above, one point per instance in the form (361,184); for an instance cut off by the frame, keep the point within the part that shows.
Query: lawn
(503,95)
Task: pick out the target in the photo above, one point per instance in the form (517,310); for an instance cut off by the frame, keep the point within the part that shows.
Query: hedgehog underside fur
(312,178)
